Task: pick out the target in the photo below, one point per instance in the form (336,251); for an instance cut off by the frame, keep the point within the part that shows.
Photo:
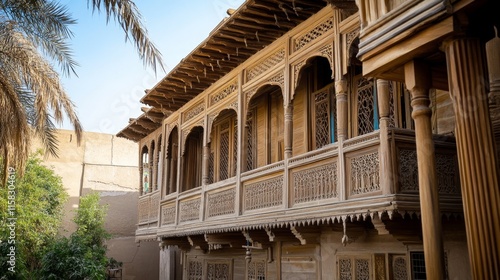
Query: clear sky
(111,78)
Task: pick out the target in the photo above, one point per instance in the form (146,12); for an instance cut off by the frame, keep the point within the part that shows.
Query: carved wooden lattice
(316,32)
(218,271)
(399,268)
(446,169)
(224,155)
(193,112)
(144,210)
(362,269)
(345,269)
(189,210)
(211,168)
(380,267)
(153,207)
(315,183)
(235,146)
(366,106)
(392,113)
(256,270)
(221,203)
(267,64)
(250,140)
(322,118)
(216,98)
(264,194)
(365,174)
(195,270)
(168,215)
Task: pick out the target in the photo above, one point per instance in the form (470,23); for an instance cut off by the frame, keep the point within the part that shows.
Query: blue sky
(111,78)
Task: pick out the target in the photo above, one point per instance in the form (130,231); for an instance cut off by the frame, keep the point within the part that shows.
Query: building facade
(320,140)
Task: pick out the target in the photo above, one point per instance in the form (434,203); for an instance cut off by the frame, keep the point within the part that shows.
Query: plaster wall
(108,165)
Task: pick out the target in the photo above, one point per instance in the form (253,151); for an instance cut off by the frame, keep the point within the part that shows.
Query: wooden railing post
(386,170)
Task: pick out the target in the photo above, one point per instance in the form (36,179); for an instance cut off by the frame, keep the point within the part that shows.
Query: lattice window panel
(221,203)
(322,118)
(392,109)
(365,174)
(218,271)
(399,268)
(256,270)
(267,193)
(211,167)
(354,268)
(250,140)
(366,105)
(195,270)
(315,183)
(235,147)
(224,155)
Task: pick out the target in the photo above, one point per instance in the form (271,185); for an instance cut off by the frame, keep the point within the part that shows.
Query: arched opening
(171,164)
(145,175)
(314,107)
(192,159)
(223,147)
(159,165)
(152,165)
(265,128)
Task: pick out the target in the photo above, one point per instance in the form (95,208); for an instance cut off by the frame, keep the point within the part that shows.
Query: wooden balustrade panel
(221,203)
(168,214)
(315,183)
(363,173)
(263,194)
(144,205)
(153,207)
(189,210)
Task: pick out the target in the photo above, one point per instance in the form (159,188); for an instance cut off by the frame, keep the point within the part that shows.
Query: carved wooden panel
(263,194)
(345,269)
(316,183)
(322,118)
(399,268)
(221,203)
(366,106)
(408,173)
(218,271)
(266,64)
(194,111)
(217,97)
(189,210)
(364,174)
(362,269)
(144,209)
(256,270)
(380,273)
(313,34)
(195,270)
(153,206)
(354,268)
(168,214)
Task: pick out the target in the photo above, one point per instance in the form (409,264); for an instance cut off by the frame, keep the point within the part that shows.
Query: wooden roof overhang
(253,26)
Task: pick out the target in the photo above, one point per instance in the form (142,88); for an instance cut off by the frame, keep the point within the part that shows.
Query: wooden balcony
(338,180)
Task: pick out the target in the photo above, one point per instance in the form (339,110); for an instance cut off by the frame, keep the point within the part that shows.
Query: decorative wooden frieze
(168,214)
(195,270)
(263,194)
(364,174)
(193,111)
(221,203)
(315,183)
(313,34)
(219,96)
(446,167)
(267,64)
(189,210)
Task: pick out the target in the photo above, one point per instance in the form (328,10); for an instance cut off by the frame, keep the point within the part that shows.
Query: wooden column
(476,159)
(417,79)
(288,130)
(205,164)
(384,110)
(342,118)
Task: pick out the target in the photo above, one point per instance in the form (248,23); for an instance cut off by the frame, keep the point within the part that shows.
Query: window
(171,164)
(223,147)
(256,270)
(355,267)
(417,266)
(145,170)
(192,159)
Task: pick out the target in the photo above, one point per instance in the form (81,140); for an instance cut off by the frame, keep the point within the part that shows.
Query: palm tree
(32,33)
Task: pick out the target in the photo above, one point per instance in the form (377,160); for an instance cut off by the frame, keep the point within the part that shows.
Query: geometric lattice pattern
(380,267)
(218,271)
(250,139)
(362,269)
(365,174)
(315,183)
(195,270)
(399,268)
(345,269)
(366,105)
(322,118)
(224,155)
(256,270)
(316,32)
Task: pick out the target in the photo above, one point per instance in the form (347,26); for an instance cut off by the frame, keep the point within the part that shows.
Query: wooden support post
(476,155)
(288,130)
(205,164)
(386,171)
(341,97)
(417,79)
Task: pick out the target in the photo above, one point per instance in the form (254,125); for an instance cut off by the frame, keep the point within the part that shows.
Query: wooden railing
(334,175)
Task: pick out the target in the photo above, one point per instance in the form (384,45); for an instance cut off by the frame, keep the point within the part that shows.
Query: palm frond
(125,12)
